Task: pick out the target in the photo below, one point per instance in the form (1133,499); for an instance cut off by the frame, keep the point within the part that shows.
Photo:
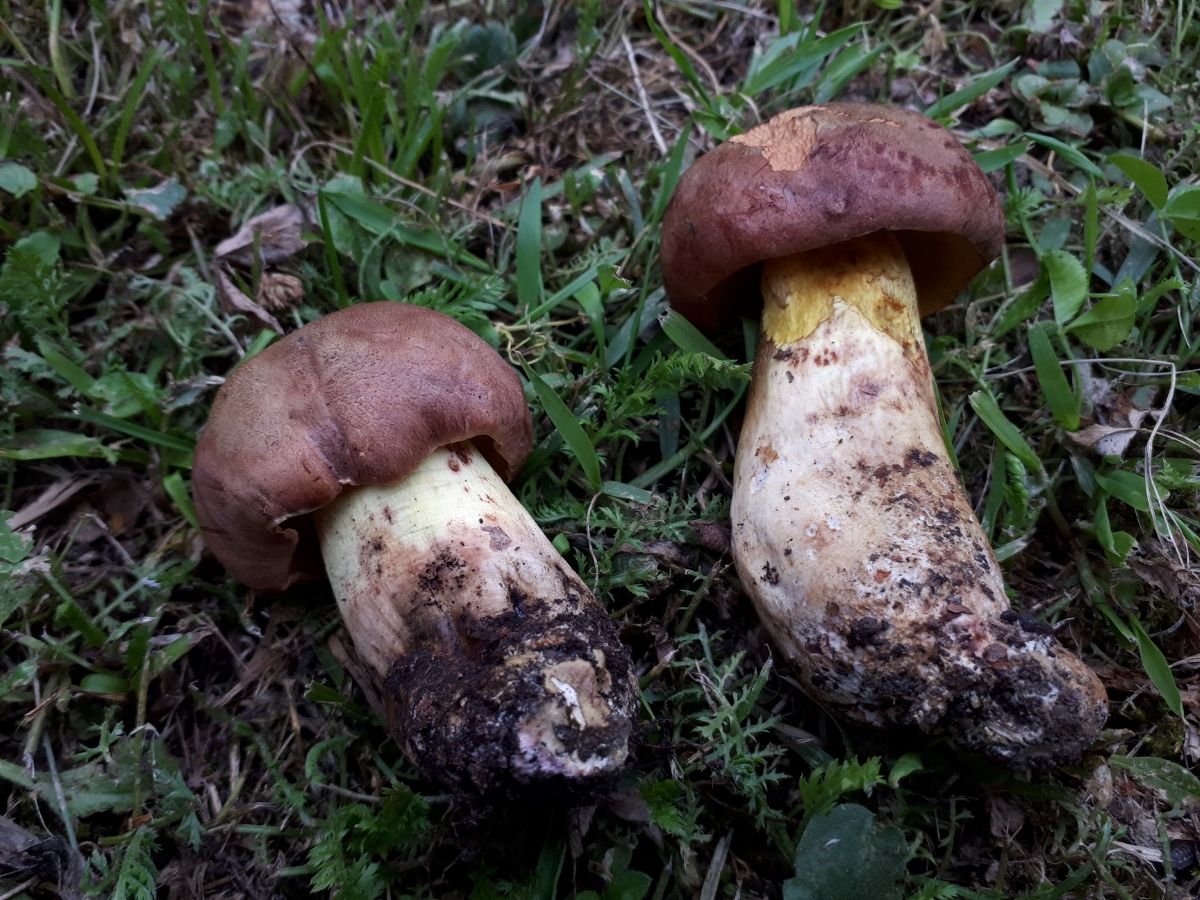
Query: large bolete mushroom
(373,445)
(851,529)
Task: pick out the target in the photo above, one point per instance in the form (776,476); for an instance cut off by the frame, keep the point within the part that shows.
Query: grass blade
(529,247)
(568,426)
(1145,175)
(972,92)
(1067,152)
(686,336)
(1060,399)
(991,160)
(1006,432)
(134,430)
(1157,668)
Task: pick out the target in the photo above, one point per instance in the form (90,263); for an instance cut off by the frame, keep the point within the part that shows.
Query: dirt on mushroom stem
(500,669)
(854,537)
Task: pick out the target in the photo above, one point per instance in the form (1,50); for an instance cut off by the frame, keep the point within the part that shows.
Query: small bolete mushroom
(373,445)
(851,530)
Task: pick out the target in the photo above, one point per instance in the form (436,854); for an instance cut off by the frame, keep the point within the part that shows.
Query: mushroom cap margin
(358,397)
(815,176)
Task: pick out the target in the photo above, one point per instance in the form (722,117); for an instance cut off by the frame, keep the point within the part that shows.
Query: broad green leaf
(1005,431)
(1068,284)
(1145,175)
(568,426)
(86,183)
(1039,15)
(903,767)
(1183,209)
(16,179)
(686,336)
(1157,667)
(1110,320)
(623,491)
(41,245)
(529,247)
(1022,307)
(14,546)
(1117,544)
(991,160)
(17,677)
(103,683)
(1128,487)
(972,92)
(159,201)
(1178,784)
(846,855)
(1060,399)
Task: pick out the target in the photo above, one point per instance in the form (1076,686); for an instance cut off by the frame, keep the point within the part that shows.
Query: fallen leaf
(233,301)
(277,17)
(277,231)
(16,179)
(1157,566)
(48,500)
(626,804)
(712,536)
(1106,440)
(51,860)
(278,290)
(1023,266)
(160,201)
(1005,818)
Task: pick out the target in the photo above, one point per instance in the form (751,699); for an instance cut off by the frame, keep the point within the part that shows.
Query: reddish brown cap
(359,397)
(817,175)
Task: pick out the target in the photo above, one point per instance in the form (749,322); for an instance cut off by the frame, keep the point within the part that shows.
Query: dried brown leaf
(48,860)
(1005,818)
(278,232)
(1105,440)
(279,291)
(54,496)
(1157,566)
(233,301)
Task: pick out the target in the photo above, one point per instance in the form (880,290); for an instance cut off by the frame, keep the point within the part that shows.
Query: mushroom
(852,533)
(373,446)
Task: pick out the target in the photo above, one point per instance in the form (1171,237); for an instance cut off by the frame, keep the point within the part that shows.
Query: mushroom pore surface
(854,537)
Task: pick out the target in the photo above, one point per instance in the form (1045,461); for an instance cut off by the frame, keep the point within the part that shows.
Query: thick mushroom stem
(499,667)
(853,535)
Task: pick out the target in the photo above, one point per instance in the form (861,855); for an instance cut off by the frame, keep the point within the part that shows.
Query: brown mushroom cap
(817,175)
(359,397)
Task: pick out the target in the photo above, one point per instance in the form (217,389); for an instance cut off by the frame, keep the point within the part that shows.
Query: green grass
(500,164)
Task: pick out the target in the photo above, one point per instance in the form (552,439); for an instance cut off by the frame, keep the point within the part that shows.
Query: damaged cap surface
(358,397)
(816,176)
